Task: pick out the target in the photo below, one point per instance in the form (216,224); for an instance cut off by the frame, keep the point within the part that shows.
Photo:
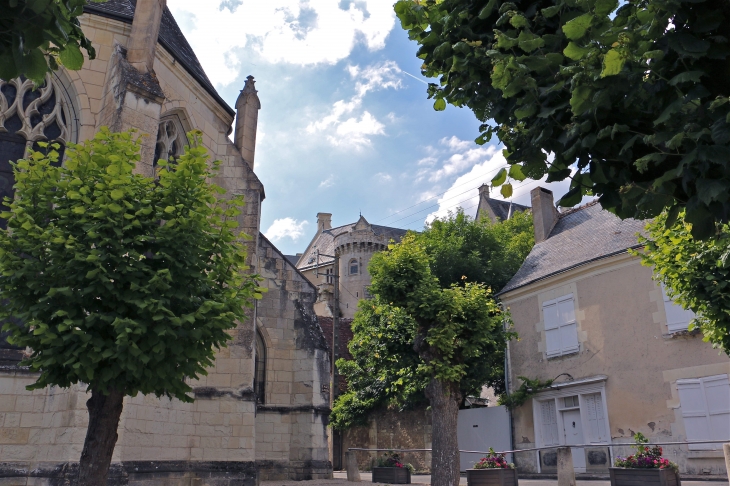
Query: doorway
(573,430)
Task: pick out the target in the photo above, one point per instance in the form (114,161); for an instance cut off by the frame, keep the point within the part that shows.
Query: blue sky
(345,125)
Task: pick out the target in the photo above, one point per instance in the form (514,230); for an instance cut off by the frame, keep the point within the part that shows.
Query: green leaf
(506,190)
(499,179)
(576,28)
(529,42)
(117,194)
(515,172)
(575,52)
(605,7)
(571,198)
(518,22)
(686,76)
(71,57)
(439,104)
(487,10)
(579,101)
(526,111)
(613,62)
(550,11)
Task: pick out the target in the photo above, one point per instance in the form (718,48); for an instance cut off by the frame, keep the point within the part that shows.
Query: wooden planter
(391,475)
(491,477)
(622,476)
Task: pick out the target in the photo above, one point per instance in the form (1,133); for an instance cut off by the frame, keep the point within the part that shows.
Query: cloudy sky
(345,126)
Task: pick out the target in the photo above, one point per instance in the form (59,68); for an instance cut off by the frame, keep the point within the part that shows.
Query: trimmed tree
(630,100)
(125,283)
(696,274)
(433,330)
(39,35)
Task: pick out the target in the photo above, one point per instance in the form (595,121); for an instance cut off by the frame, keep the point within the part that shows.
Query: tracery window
(259,381)
(29,115)
(171,138)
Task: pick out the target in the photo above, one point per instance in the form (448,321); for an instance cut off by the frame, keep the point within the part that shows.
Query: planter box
(621,476)
(391,475)
(491,477)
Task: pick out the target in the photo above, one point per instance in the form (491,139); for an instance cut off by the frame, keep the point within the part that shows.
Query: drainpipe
(506,381)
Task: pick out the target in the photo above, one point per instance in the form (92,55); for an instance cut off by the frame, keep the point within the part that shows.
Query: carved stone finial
(247,113)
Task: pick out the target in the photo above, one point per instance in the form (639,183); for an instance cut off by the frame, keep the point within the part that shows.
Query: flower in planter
(392,459)
(493,461)
(646,457)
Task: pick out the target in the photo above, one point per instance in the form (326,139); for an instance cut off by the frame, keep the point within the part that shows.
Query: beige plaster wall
(623,334)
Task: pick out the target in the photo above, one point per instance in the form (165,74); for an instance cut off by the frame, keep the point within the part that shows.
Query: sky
(345,125)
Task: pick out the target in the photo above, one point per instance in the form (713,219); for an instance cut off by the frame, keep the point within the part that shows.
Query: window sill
(566,355)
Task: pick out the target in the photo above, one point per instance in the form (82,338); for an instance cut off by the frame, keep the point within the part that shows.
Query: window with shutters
(561,328)
(549,419)
(597,430)
(705,406)
(678,318)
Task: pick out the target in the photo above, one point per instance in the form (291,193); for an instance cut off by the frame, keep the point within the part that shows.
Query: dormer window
(354,267)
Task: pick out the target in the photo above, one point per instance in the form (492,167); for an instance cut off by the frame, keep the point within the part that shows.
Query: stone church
(262,411)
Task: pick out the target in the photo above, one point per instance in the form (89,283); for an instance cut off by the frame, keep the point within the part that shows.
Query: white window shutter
(678,318)
(569,338)
(596,418)
(552,328)
(549,423)
(694,412)
(717,393)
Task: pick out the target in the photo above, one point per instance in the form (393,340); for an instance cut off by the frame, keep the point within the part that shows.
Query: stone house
(590,317)
(261,412)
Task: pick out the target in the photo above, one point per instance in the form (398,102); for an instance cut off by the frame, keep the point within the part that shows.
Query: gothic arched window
(354,267)
(29,115)
(171,138)
(259,380)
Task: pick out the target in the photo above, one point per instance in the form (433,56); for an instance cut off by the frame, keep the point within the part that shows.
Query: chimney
(142,44)
(247,116)
(483,210)
(324,222)
(484,191)
(544,214)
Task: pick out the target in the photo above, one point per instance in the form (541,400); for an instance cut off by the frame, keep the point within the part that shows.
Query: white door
(573,428)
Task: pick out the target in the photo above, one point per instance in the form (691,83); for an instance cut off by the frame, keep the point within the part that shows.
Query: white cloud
(383,177)
(463,155)
(328,182)
(285,228)
(356,131)
(301,32)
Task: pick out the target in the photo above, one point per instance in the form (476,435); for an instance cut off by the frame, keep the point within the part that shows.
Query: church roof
(580,236)
(501,209)
(325,242)
(171,38)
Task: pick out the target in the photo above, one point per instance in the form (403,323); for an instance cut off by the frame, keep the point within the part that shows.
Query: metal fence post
(353,473)
(566,472)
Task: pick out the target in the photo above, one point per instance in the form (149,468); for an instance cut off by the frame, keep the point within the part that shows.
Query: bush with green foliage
(630,100)
(124,283)
(39,35)
(696,274)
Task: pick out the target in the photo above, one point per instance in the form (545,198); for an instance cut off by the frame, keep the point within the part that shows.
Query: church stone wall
(291,435)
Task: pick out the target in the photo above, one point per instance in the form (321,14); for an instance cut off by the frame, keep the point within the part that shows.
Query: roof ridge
(579,208)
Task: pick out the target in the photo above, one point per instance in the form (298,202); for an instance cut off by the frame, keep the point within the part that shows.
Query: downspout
(506,380)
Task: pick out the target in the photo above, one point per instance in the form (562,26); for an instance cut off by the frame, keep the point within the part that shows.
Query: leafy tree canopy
(433,315)
(696,274)
(122,282)
(39,35)
(631,100)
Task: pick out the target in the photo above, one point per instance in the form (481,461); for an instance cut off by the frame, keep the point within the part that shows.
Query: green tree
(122,282)
(38,35)
(696,274)
(433,330)
(630,100)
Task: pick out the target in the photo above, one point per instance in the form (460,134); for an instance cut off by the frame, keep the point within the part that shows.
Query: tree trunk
(444,398)
(101,437)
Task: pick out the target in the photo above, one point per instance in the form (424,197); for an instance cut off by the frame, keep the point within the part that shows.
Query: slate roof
(325,243)
(501,208)
(171,38)
(580,236)
(293,259)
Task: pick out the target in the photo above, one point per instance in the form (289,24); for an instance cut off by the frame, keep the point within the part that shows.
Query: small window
(171,139)
(354,267)
(678,318)
(705,405)
(259,382)
(561,328)
(570,402)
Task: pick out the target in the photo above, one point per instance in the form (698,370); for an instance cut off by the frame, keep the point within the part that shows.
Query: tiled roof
(325,243)
(171,38)
(580,236)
